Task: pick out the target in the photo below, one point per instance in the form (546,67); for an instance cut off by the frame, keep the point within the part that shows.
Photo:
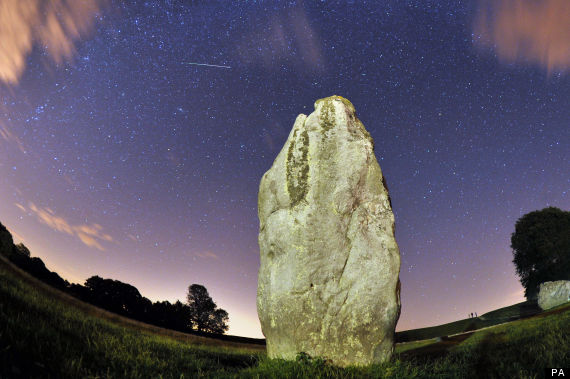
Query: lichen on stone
(329,260)
(345,101)
(298,166)
(327,115)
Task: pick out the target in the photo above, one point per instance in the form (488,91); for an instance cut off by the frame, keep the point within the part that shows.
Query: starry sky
(121,157)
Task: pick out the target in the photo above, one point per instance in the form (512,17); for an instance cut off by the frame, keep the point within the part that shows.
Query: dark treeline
(199,315)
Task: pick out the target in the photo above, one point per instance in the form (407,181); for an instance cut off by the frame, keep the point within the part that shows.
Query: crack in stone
(344,266)
(343,302)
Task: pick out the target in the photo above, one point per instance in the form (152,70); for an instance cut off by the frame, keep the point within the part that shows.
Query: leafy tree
(173,316)
(541,248)
(113,295)
(204,314)
(180,316)
(218,322)
(117,297)
(6,242)
(79,291)
(21,257)
(22,249)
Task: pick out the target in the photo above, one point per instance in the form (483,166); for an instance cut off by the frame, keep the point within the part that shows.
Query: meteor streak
(205,64)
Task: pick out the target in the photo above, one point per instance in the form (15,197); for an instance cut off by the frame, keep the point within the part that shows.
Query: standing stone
(552,294)
(328,281)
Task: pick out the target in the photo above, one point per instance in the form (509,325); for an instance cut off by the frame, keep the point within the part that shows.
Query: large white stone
(328,281)
(552,294)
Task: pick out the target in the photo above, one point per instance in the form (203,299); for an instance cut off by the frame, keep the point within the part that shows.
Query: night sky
(122,158)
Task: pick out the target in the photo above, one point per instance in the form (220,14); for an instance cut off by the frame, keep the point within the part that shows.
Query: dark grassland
(498,316)
(43,333)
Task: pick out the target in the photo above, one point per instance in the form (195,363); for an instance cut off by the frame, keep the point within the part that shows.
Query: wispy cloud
(52,24)
(207,255)
(526,30)
(10,137)
(20,207)
(286,38)
(91,235)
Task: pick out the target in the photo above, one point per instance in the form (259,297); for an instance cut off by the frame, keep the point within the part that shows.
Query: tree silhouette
(117,297)
(123,298)
(219,322)
(20,256)
(6,241)
(22,249)
(173,316)
(541,248)
(180,316)
(204,314)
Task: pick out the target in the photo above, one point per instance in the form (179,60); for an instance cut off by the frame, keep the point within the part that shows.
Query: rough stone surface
(552,294)
(328,281)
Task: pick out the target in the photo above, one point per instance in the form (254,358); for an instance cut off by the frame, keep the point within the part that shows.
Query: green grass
(43,335)
(496,317)
(407,346)
(516,311)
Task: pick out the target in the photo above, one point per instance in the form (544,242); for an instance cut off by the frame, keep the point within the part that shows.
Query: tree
(204,314)
(6,241)
(22,258)
(118,297)
(172,316)
(218,322)
(180,316)
(22,249)
(541,248)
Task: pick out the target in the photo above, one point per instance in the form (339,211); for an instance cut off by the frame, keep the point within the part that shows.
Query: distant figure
(475,314)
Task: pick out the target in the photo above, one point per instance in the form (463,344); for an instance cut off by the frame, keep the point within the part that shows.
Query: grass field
(496,317)
(43,334)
